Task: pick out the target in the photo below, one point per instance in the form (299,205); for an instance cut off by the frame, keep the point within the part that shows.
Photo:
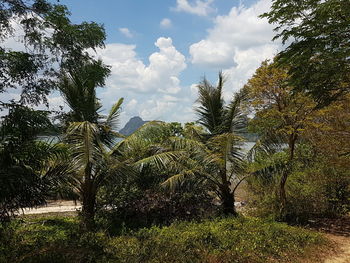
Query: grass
(58,239)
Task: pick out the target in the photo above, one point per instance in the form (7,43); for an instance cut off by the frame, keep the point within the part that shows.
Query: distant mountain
(132,125)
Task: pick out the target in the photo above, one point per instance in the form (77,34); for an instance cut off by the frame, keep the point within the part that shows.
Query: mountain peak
(132,125)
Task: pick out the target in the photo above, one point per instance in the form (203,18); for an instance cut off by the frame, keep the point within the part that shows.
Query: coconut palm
(211,154)
(224,161)
(89,135)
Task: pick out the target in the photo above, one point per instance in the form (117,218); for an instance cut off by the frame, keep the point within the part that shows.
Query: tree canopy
(50,42)
(316,34)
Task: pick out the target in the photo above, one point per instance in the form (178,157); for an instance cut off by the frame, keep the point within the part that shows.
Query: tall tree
(212,151)
(280,114)
(318,52)
(222,123)
(329,132)
(51,41)
(89,135)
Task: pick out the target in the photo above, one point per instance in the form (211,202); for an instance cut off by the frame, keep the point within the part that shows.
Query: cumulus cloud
(130,73)
(165,23)
(126,32)
(146,87)
(237,43)
(199,7)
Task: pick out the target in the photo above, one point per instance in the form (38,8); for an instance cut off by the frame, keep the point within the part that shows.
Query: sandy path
(343,255)
(53,207)
(338,232)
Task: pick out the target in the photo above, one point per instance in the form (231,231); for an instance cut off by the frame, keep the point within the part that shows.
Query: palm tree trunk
(228,200)
(228,203)
(89,201)
(88,207)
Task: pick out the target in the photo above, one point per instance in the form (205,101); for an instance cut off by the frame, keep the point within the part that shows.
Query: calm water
(54,139)
(247,146)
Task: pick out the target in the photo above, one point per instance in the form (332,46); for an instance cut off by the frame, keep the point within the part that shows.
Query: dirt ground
(338,232)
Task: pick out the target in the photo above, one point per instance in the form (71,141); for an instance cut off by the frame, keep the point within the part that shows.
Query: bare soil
(338,233)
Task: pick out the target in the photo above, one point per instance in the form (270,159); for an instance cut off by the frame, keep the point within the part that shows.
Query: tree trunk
(284,178)
(88,207)
(89,200)
(228,201)
(282,194)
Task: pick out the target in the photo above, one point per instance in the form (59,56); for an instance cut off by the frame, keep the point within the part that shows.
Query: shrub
(221,240)
(154,207)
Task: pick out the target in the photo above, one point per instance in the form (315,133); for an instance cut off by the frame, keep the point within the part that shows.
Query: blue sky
(158,50)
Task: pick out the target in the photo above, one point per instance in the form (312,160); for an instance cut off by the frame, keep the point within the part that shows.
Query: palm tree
(89,135)
(211,154)
(222,122)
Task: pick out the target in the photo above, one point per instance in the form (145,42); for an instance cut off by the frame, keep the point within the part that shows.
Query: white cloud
(130,73)
(237,43)
(149,89)
(126,32)
(199,7)
(132,103)
(165,23)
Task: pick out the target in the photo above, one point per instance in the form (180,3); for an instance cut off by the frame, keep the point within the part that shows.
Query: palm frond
(235,120)
(82,137)
(268,143)
(172,182)
(164,160)
(114,115)
(211,109)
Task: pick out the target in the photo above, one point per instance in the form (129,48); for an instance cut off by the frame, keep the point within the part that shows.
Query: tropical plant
(212,152)
(89,135)
(156,151)
(280,116)
(29,168)
(316,34)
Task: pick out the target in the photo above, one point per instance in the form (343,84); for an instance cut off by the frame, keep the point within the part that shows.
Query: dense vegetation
(221,240)
(159,194)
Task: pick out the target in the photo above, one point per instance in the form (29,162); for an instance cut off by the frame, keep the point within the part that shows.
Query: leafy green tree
(280,115)
(316,33)
(52,42)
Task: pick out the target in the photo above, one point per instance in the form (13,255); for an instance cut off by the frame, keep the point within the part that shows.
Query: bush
(221,240)
(315,188)
(310,193)
(158,208)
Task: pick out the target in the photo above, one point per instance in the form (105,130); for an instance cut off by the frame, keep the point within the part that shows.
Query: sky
(159,50)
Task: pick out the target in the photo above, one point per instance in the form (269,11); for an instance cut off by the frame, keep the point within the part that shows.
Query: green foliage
(220,240)
(213,151)
(314,188)
(89,135)
(318,53)
(33,70)
(154,152)
(29,169)
(133,208)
